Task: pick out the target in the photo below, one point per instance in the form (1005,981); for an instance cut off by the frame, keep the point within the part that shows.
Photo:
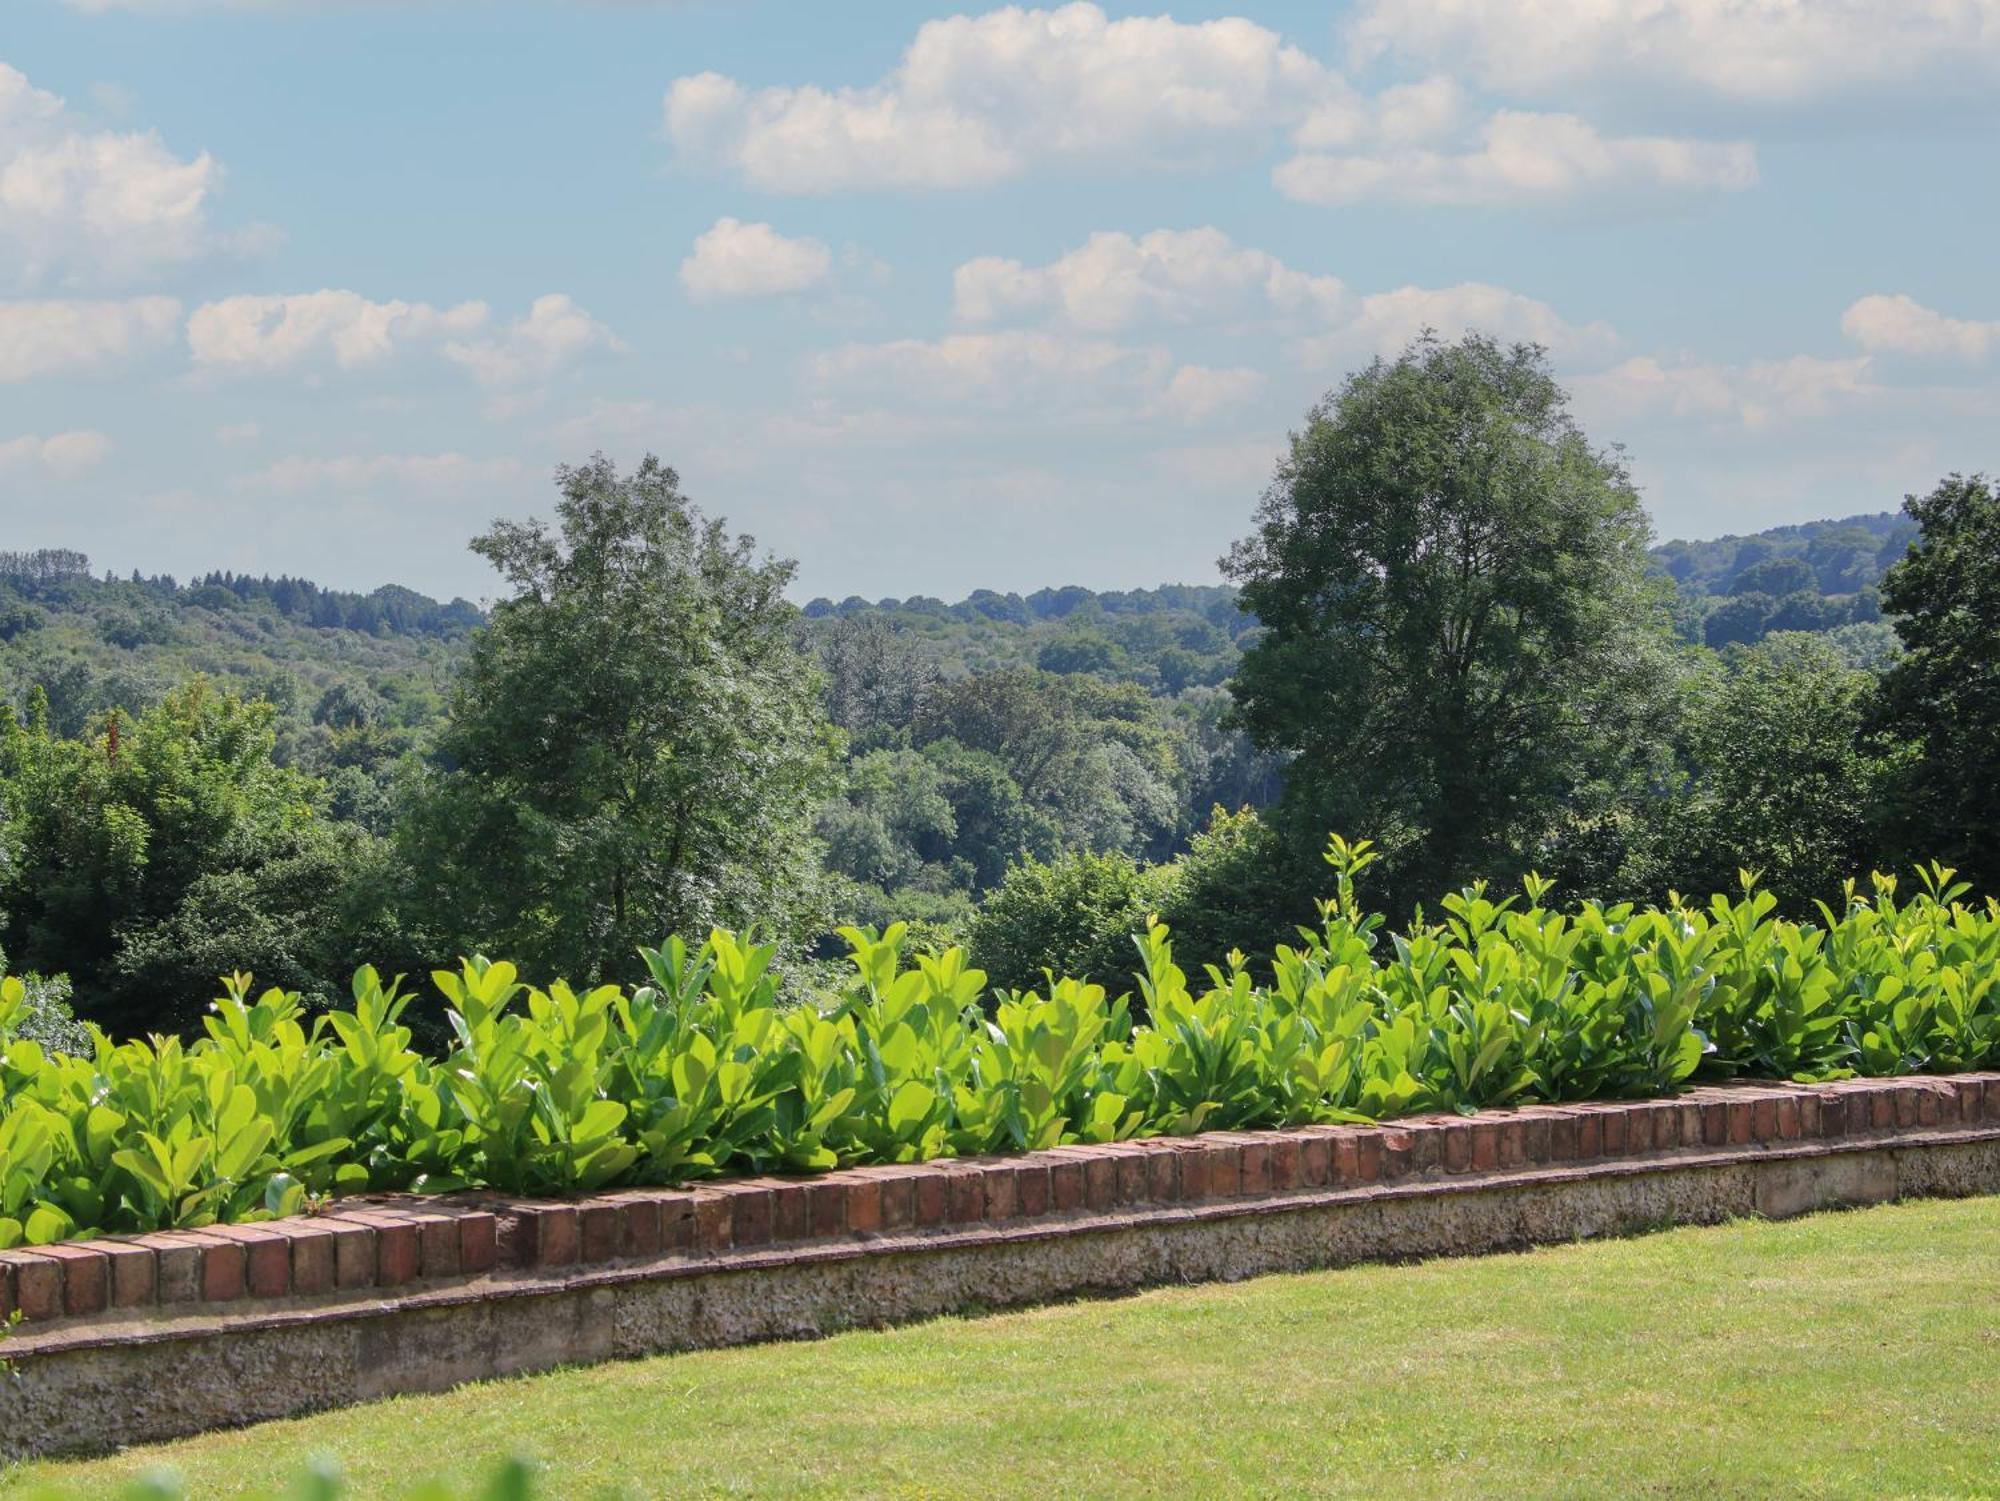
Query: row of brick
(392,1245)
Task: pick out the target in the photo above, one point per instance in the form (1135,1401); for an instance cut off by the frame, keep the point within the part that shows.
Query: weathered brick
(1100,1179)
(1715,1122)
(1017,1190)
(354,1257)
(1225,1166)
(1764,1118)
(547,1235)
(1397,1152)
(37,1285)
(967,1192)
(898,1195)
(1788,1118)
(267,1258)
(600,1227)
(1928,1106)
(1742,1118)
(1563,1127)
(176,1266)
(7,1304)
(1638,1129)
(437,1242)
(1191,1166)
(1535,1123)
(1458,1143)
(713,1221)
(399,1244)
(312,1249)
(1965,1104)
(826,1208)
(1368,1155)
(1066,1183)
(1134,1161)
(134,1273)
(1810,1125)
(1611,1125)
(86,1278)
(224,1268)
(478,1242)
(931,1184)
(791,1213)
(1316,1159)
(1833,1113)
(1485,1144)
(864,1203)
(1254,1164)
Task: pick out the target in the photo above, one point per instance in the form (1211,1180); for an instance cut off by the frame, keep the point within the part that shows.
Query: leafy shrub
(705,1071)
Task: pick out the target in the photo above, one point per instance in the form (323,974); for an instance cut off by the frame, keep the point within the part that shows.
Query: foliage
(703,1071)
(1944,691)
(636,743)
(1073,915)
(1459,632)
(152,853)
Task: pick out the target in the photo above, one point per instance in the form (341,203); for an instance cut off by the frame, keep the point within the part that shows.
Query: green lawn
(1845,1354)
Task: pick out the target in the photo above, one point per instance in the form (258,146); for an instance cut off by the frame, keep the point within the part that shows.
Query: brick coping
(368,1257)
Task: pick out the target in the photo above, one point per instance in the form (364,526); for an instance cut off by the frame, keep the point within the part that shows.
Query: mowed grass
(1852,1354)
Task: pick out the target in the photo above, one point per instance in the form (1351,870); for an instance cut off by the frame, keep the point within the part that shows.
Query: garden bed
(152,1336)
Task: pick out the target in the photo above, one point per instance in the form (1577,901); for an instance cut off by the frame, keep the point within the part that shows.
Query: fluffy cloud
(454,471)
(79,205)
(1900,324)
(344,328)
(1014,367)
(305,330)
(1517,157)
(59,453)
(1383,322)
(734,259)
(54,337)
(1198,393)
(1755,396)
(1114,281)
(977,99)
(554,333)
(1754,50)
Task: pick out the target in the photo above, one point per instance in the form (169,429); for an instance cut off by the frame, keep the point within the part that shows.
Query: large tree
(1461,648)
(1944,691)
(636,746)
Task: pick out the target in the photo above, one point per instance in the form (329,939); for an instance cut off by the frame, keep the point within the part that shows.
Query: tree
(1459,631)
(636,746)
(1074,915)
(1944,691)
(150,856)
(1782,776)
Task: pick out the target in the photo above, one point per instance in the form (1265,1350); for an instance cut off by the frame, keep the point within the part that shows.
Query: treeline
(1448,632)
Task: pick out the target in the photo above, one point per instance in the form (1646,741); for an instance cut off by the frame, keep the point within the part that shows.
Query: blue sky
(936,299)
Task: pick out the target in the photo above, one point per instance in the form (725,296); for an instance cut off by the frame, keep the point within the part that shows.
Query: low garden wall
(155,1336)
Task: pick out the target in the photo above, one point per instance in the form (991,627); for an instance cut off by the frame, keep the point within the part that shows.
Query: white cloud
(1899,324)
(1198,393)
(1384,322)
(1766,51)
(1114,281)
(78,205)
(267,333)
(555,333)
(1516,157)
(977,99)
(59,453)
(1014,367)
(55,337)
(735,259)
(344,330)
(354,471)
(1756,396)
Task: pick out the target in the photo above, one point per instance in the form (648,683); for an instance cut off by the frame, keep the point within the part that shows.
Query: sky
(933,299)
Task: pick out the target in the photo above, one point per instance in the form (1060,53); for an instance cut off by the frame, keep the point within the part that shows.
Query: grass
(1851,1354)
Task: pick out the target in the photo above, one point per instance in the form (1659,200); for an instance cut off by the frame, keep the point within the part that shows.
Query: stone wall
(147,1337)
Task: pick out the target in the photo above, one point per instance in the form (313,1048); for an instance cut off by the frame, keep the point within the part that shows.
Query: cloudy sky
(934,300)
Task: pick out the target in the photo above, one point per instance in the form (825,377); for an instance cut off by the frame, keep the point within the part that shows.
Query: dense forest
(259,773)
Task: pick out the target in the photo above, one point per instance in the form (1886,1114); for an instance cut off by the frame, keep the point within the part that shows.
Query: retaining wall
(156,1336)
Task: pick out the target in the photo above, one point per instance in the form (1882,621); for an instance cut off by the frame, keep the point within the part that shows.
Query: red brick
(1638,1129)
(1909,1100)
(1884,1109)
(224,1268)
(1611,1124)
(354,1257)
(1066,1185)
(310,1247)
(1458,1146)
(1715,1123)
(1990,1098)
(176,1266)
(1563,1126)
(1535,1123)
(864,1203)
(1398,1152)
(931,1185)
(86,1278)
(1764,1119)
(1134,1161)
(134,1273)
(1742,1117)
(1017,1190)
(1810,1125)
(826,1207)
(677,1221)
(37,1285)
(267,1258)
(1788,1118)
(438,1241)
(399,1243)
(1666,1126)
(1254,1164)
(1316,1159)
(478,1243)
(791,1214)
(1225,1166)
(712,1219)
(1928,1111)
(600,1225)
(1191,1170)
(1100,1179)
(898,1194)
(967,1192)
(1368,1155)
(549,1235)
(639,1225)
(1966,1103)
(1485,1144)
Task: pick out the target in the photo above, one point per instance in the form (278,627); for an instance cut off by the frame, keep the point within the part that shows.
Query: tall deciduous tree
(1944,691)
(1461,647)
(636,746)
